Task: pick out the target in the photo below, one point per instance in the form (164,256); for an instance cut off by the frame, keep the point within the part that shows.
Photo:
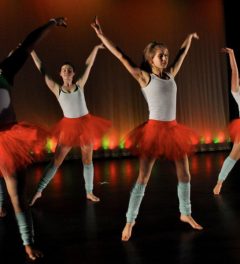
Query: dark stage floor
(71,230)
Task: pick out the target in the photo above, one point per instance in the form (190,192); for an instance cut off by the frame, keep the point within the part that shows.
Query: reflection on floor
(71,230)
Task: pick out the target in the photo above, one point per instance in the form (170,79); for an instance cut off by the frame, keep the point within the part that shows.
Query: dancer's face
(160,59)
(67,71)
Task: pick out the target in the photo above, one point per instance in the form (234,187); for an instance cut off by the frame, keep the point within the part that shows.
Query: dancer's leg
(17,57)
(88,172)
(227,166)
(136,197)
(2,197)
(24,225)
(183,189)
(50,171)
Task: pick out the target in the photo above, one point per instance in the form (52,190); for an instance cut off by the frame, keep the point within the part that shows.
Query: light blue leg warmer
(88,171)
(136,197)
(227,166)
(25,228)
(183,190)
(2,192)
(48,174)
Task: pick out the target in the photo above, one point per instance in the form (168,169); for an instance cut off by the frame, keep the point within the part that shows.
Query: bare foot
(217,188)
(188,219)
(36,196)
(33,254)
(127,231)
(92,197)
(2,212)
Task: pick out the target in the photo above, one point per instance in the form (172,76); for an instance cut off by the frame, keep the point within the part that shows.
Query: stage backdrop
(111,92)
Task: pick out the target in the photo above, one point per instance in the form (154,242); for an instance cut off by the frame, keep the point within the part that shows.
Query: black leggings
(13,63)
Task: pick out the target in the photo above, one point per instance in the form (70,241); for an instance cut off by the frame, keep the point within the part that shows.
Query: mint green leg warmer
(48,174)
(227,166)
(25,228)
(183,190)
(136,197)
(88,171)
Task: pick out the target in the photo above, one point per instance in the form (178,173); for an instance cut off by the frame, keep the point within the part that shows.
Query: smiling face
(160,58)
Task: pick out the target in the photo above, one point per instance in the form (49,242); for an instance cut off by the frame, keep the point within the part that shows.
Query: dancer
(77,128)
(17,139)
(161,135)
(234,127)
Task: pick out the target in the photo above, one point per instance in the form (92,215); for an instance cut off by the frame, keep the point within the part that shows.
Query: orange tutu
(80,131)
(234,130)
(16,143)
(162,138)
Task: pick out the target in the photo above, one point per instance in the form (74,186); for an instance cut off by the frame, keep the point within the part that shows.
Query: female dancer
(234,127)
(161,135)
(77,128)
(17,139)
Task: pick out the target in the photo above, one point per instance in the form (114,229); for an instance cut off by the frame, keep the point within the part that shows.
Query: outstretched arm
(182,53)
(18,56)
(52,85)
(141,76)
(36,35)
(234,69)
(88,65)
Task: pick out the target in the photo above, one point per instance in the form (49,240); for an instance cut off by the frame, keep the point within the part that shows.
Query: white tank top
(161,96)
(73,104)
(236,96)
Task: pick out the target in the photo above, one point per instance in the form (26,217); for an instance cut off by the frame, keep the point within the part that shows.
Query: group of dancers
(160,136)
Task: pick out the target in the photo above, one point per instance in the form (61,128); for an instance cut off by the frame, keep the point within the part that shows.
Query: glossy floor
(69,229)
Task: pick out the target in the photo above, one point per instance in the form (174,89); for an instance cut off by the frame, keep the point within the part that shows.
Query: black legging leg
(13,63)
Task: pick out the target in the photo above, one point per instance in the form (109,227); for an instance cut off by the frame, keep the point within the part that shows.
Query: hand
(96,26)
(100,46)
(227,50)
(195,35)
(60,21)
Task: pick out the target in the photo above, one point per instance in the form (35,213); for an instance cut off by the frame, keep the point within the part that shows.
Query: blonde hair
(148,54)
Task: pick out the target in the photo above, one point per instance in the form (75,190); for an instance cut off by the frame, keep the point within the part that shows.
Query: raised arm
(234,69)
(88,65)
(52,85)
(141,76)
(182,53)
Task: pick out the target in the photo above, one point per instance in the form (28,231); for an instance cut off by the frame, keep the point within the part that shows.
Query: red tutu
(16,143)
(80,131)
(234,130)
(162,138)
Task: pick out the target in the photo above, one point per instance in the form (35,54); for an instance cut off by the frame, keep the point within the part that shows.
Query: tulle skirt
(162,139)
(81,131)
(16,143)
(234,130)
